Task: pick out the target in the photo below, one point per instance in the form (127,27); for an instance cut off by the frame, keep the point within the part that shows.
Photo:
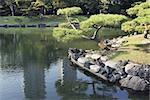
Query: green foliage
(69,11)
(38,3)
(143,12)
(136,24)
(140,10)
(64,25)
(107,20)
(66,34)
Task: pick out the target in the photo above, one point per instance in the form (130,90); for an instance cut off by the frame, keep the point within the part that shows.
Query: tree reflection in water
(70,87)
(31,57)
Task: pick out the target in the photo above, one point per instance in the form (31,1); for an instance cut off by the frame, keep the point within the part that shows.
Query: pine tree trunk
(70,23)
(12,10)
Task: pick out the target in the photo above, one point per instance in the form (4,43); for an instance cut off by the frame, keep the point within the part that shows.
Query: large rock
(114,78)
(110,64)
(95,68)
(95,56)
(104,58)
(88,55)
(82,60)
(135,83)
(130,66)
(142,71)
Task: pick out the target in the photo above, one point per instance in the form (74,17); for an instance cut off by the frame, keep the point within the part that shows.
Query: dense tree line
(27,7)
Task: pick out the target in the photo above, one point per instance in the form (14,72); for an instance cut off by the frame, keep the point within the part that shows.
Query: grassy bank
(52,20)
(137,49)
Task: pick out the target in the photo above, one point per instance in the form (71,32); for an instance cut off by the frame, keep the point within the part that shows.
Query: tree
(99,21)
(11,5)
(68,12)
(141,15)
(88,27)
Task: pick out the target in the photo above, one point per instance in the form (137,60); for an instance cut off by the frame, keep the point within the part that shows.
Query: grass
(26,31)
(137,49)
(51,19)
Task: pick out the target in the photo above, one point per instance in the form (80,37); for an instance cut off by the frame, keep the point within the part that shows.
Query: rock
(87,64)
(102,70)
(135,83)
(112,79)
(75,56)
(117,76)
(104,58)
(130,66)
(82,60)
(142,71)
(108,69)
(88,55)
(100,63)
(110,64)
(95,56)
(123,63)
(115,45)
(95,68)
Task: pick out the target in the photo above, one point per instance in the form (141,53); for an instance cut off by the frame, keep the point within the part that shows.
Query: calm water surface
(35,67)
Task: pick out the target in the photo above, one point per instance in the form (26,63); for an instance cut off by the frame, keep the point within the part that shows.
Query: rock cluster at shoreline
(128,74)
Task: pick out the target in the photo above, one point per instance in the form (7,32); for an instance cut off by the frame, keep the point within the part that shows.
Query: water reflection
(33,69)
(71,86)
(34,80)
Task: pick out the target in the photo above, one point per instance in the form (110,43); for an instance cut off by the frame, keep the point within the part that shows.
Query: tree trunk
(12,10)
(94,37)
(67,17)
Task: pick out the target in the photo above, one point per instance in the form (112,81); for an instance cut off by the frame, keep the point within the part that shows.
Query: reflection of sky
(11,85)
(50,79)
(121,95)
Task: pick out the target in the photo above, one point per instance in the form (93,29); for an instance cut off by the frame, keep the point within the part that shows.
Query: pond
(34,66)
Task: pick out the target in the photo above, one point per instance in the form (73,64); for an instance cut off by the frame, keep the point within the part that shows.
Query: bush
(106,20)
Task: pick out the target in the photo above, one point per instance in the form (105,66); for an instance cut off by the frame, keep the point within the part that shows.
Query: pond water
(35,67)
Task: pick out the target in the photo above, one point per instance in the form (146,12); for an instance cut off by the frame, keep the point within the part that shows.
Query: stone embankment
(126,73)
